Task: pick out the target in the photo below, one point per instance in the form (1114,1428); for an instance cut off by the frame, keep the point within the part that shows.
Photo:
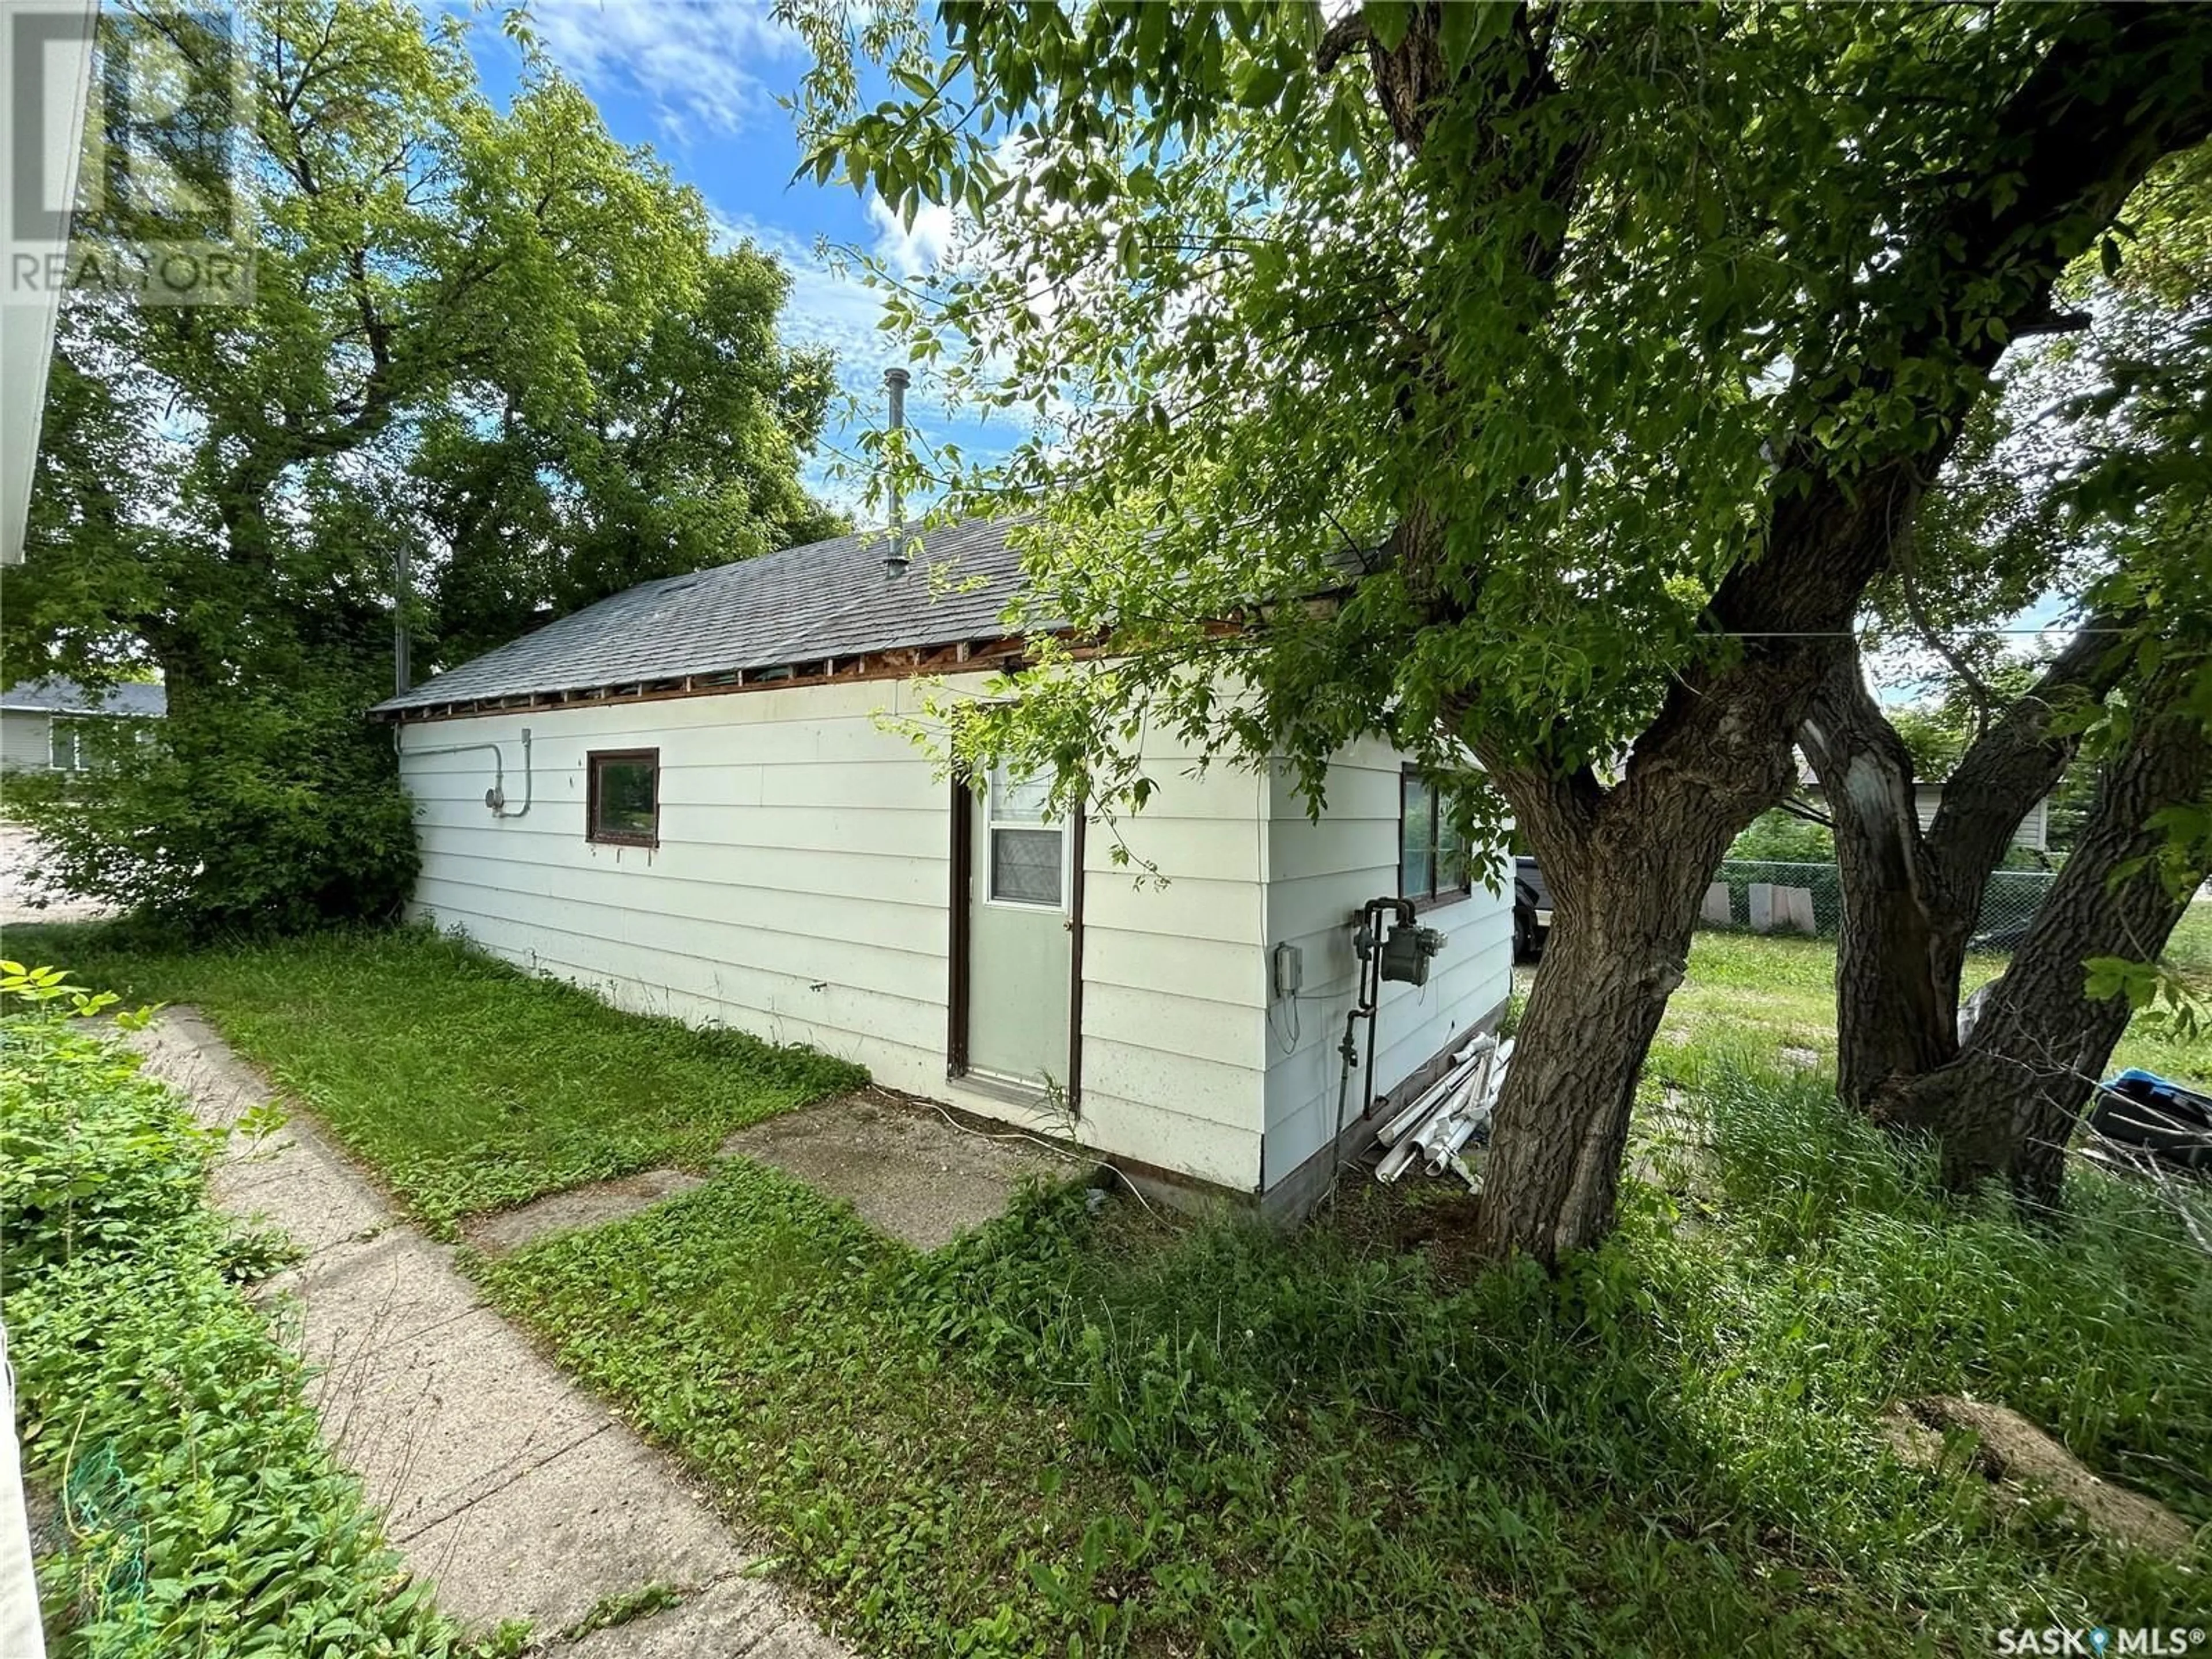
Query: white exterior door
(1020,937)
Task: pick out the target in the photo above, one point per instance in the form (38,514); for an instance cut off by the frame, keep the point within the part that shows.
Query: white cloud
(697,62)
(829,306)
(910,250)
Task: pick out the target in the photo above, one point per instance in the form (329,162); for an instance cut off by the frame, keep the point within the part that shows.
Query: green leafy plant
(198,1509)
(258,808)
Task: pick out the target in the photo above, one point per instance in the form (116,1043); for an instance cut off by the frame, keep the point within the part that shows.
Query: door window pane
(1017,800)
(1026,865)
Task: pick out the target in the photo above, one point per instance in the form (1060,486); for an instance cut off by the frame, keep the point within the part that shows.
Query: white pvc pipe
(1422,1103)
(1395,1161)
(1462,1132)
(1437,1124)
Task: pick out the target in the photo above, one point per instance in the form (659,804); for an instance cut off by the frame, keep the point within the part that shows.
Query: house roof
(824,600)
(60,696)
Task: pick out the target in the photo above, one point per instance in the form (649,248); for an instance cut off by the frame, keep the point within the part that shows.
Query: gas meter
(1406,951)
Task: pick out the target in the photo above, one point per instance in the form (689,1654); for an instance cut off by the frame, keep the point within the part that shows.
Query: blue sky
(698,81)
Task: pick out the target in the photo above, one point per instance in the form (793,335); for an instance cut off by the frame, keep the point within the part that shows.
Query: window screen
(61,744)
(1029,851)
(625,796)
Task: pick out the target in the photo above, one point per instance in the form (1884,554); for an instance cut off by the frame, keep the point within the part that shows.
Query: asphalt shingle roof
(59,697)
(832,598)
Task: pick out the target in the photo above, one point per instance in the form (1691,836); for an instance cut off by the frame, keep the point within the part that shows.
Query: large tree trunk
(1896,971)
(1628,861)
(2010,1102)
(1620,936)
(1627,866)
(1911,897)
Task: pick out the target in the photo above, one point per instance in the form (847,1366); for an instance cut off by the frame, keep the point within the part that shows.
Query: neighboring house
(46,726)
(2034,830)
(685,798)
(2033,833)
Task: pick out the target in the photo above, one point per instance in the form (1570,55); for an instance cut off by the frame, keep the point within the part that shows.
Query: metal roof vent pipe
(895,385)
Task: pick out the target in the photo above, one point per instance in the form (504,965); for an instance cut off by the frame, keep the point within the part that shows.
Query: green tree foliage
(496,346)
(1588,362)
(265,807)
(661,435)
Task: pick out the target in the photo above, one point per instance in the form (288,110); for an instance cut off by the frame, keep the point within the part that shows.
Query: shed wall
(2033,832)
(1318,876)
(800,891)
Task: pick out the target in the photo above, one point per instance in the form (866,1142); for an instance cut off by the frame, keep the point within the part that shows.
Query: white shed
(686,798)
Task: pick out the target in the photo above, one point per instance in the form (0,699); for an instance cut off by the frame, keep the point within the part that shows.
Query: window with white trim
(1029,851)
(64,745)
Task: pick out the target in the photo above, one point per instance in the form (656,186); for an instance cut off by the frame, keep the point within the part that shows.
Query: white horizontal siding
(2032,831)
(800,891)
(1171,974)
(24,740)
(1319,875)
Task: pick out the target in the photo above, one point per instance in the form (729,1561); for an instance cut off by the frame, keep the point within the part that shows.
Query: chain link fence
(2008,903)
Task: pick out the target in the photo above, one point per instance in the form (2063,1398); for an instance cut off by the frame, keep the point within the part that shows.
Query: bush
(1778,837)
(199,1510)
(242,811)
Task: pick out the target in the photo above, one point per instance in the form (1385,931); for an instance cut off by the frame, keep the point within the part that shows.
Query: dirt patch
(594,1205)
(23,897)
(911,1171)
(2011,1452)
(1436,1218)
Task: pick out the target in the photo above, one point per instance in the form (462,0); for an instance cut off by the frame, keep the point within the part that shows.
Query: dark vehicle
(1532,910)
(2147,1113)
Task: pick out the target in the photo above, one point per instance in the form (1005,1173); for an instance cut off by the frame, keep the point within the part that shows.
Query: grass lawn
(1081,1433)
(1747,998)
(467,1085)
(1085,1432)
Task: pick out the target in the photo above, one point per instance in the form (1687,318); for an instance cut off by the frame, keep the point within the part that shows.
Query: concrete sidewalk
(513,1492)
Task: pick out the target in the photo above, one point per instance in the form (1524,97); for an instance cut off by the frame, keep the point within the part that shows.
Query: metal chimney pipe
(895,385)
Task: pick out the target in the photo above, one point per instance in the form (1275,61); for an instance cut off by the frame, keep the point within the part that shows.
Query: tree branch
(2019,759)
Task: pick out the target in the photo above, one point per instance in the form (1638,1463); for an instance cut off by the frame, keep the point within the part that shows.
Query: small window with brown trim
(624,804)
(1433,867)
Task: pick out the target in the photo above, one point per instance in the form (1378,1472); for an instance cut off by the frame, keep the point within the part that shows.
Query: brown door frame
(1075,968)
(964,866)
(959,934)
